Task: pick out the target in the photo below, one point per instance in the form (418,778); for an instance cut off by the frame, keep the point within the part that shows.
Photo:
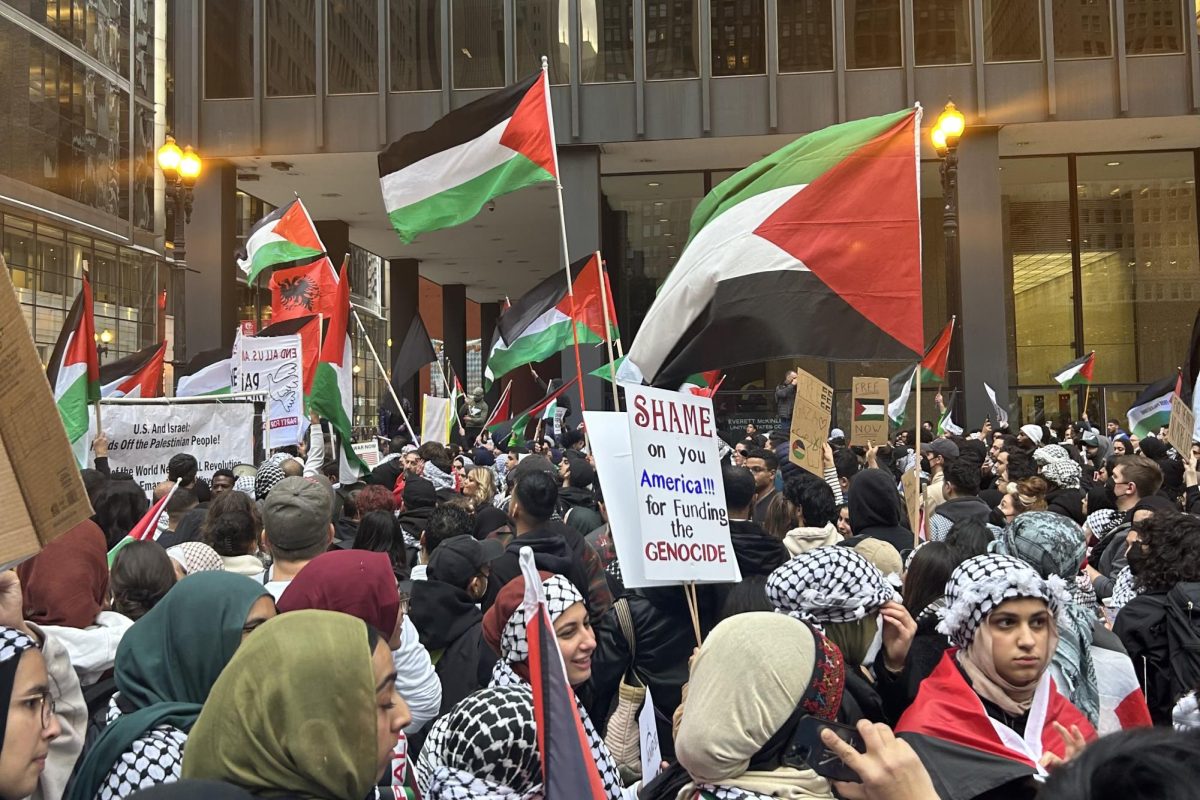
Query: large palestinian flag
(74,368)
(206,373)
(284,238)
(813,251)
(442,176)
(1078,372)
(136,375)
(1151,409)
(538,324)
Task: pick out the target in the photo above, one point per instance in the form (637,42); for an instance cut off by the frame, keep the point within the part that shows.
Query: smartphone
(807,751)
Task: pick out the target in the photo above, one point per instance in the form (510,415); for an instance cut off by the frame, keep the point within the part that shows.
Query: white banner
(435,418)
(680,495)
(143,437)
(273,364)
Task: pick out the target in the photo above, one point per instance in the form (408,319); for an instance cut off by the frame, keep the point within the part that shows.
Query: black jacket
(957,509)
(1068,503)
(488,519)
(785,400)
(579,509)
(1142,627)
(386,474)
(413,522)
(757,552)
(451,629)
(875,510)
(556,548)
(897,690)
(188,529)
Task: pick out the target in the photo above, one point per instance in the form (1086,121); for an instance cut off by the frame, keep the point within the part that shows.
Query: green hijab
(276,724)
(167,663)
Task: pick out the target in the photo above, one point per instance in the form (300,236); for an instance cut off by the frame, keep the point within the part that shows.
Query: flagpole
(612,369)
(562,227)
(382,371)
(917,457)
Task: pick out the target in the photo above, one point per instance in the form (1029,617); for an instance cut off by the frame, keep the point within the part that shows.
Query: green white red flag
(286,237)
(136,375)
(1078,372)
(74,368)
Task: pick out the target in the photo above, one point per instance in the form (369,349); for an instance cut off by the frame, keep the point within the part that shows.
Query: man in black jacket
(962,499)
(576,502)
(389,469)
(785,399)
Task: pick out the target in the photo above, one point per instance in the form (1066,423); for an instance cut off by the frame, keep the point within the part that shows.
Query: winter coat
(579,509)
(1068,503)
(451,629)
(1142,626)
(801,540)
(386,474)
(785,400)
(897,690)
(556,548)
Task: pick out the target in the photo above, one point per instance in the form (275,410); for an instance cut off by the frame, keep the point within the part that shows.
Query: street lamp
(103,340)
(945,135)
(180,168)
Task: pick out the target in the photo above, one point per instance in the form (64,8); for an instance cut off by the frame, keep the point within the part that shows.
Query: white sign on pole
(273,364)
(680,495)
(368,452)
(143,437)
(650,750)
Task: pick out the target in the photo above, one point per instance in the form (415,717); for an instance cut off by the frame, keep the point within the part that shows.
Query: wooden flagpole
(612,368)
(382,371)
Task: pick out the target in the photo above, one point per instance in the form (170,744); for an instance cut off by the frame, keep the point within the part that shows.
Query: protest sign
(650,751)
(142,437)
(367,451)
(810,423)
(680,495)
(868,416)
(273,365)
(911,481)
(1181,427)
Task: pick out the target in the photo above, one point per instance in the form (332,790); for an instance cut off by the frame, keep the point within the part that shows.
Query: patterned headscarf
(829,585)
(245,485)
(486,748)
(981,583)
(1123,589)
(196,557)
(269,473)
(13,644)
(1053,545)
(1050,453)
(561,594)
(1065,474)
(439,479)
(1103,520)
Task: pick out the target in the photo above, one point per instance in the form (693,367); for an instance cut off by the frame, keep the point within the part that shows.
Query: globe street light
(945,135)
(180,168)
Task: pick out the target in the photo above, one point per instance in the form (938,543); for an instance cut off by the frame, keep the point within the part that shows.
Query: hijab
(754,678)
(874,501)
(67,583)
(355,582)
(829,585)
(196,557)
(275,723)
(13,645)
(167,664)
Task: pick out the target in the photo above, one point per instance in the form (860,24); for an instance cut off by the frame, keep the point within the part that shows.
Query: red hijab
(67,583)
(355,582)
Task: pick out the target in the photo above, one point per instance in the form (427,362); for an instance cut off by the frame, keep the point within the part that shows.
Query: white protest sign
(648,735)
(680,495)
(273,364)
(368,452)
(143,437)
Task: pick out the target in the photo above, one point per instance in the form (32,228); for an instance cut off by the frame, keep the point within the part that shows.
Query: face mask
(1110,490)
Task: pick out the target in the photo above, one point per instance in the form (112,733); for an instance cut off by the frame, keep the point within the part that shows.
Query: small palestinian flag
(608,371)
(784,259)
(284,238)
(136,375)
(1151,409)
(1078,372)
(444,175)
(206,373)
(147,527)
(701,383)
(933,365)
(899,390)
(869,410)
(333,386)
(512,431)
(592,293)
(502,411)
(74,369)
(946,424)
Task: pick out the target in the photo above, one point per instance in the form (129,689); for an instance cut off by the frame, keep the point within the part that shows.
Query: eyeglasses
(46,702)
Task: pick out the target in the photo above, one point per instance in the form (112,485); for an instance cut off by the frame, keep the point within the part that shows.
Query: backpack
(1183,642)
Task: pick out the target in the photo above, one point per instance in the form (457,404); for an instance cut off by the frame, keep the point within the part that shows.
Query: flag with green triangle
(1078,372)
(933,365)
(74,368)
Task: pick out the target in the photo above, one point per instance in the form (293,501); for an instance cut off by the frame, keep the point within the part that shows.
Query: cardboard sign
(142,437)
(810,423)
(911,481)
(680,496)
(273,364)
(1181,427)
(649,749)
(868,411)
(41,491)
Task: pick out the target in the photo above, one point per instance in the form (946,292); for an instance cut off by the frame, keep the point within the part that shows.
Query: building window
(1012,30)
(606,43)
(1082,29)
(352,47)
(291,63)
(805,35)
(478,44)
(739,45)
(228,49)
(415,45)
(672,39)
(543,29)
(873,34)
(1152,27)
(942,32)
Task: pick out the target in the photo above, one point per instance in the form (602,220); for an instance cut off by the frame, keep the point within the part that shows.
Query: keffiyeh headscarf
(829,585)
(196,557)
(1123,589)
(1053,545)
(245,485)
(1103,520)
(439,479)
(1065,474)
(1050,453)
(981,583)
(561,594)
(486,748)
(269,474)
(13,645)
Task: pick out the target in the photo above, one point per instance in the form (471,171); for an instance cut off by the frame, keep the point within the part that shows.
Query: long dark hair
(380,532)
(1167,551)
(927,574)
(120,504)
(140,576)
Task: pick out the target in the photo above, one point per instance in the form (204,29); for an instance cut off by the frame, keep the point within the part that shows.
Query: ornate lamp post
(945,135)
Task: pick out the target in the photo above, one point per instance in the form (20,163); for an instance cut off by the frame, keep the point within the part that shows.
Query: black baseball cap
(460,558)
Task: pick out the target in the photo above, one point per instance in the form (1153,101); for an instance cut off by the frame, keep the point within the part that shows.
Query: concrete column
(580,167)
(335,235)
(211,283)
(454,329)
(982,288)
(403,297)
(488,314)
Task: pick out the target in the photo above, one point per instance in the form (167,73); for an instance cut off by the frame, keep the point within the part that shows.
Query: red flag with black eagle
(300,291)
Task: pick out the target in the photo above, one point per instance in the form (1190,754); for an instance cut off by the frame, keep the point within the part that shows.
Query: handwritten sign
(273,364)
(911,481)
(810,423)
(650,751)
(1181,427)
(680,496)
(868,411)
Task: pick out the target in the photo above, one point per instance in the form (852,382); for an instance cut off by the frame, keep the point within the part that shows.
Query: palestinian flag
(309,330)
(538,325)
(1000,415)
(1151,409)
(608,371)
(332,395)
(284,238)
(1078,372)
(701,383)
(946,424)
(442,176)
(206,373)
(147,527)
(512,431)
(869,410)
(899,390)
(74,368)
(303,290)
(502,411)
(933,365)
(592,293)
(813,251)
(137,375)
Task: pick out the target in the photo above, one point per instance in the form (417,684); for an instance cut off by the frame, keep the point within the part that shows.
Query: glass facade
(1082,28)
(543,29)
(1152,27)
(478,43)
(352,46)
(291,51)
(942,32)
(805,35)
(1012,30)
(739,40)
(606,28)
(415,45)
(672,39)
(228,49)
(873,34)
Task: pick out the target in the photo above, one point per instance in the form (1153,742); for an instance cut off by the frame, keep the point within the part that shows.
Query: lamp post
(103,340)
(945,135)
(180,170)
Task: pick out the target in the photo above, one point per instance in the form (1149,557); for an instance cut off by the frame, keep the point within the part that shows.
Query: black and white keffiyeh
(12,644)
(485,748)
(1063,473)
(155,758)
(561,594)
(981,583)
(829,584)
(1123,589)
(269,474)
(1103,520)
(245,485)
